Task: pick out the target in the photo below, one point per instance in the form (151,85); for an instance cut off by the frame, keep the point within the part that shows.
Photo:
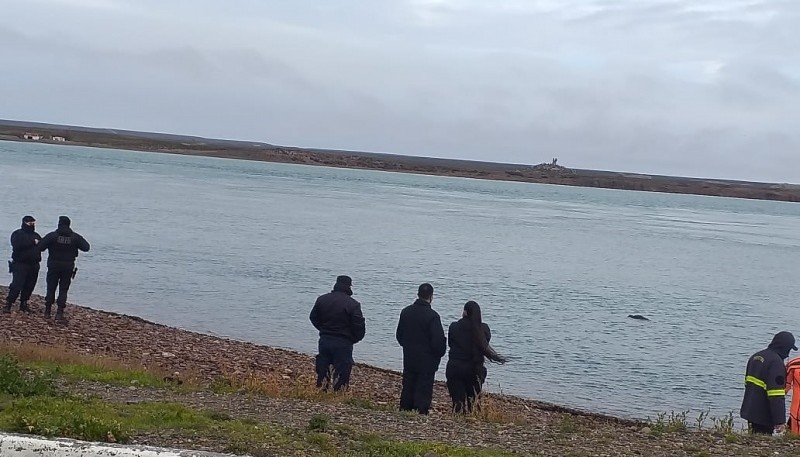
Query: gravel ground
(524,426)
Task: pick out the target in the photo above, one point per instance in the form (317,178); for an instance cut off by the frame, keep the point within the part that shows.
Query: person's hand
(780,428)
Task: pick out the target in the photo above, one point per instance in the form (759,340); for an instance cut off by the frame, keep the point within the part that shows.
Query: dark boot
(7,307)
(60,314)
(47,308)
(23,306)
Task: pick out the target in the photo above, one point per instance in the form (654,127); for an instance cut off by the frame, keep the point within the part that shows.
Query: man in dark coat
(340,322)
(420,333)
(25,259)
(764,403)
(63,246)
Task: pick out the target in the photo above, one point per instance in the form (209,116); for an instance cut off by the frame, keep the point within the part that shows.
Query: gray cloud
(663,86)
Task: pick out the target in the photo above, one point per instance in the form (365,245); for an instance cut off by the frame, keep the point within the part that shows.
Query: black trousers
(464,382)
(59,276)
(417,392)
(339,353)
(23,282)
(758,429)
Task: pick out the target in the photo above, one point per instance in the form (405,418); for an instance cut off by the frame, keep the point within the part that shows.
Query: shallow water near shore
(241,249)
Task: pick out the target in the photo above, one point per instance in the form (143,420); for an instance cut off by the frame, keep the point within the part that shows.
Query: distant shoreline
(548,173)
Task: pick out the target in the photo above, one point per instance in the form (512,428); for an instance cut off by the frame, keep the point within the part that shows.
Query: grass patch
(63,417)
(490,409)
(724,424)
(30,405)
(97,420)
(74,366)
(373,445)
(218,416)
(318,423)
(18,383)
(275,385)
(117,376)
(670,423)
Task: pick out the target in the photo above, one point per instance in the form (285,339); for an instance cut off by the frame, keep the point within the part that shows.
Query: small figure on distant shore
(764,403)
(63,245)
(24,266)
(338,317)
(420,333)
(468,338)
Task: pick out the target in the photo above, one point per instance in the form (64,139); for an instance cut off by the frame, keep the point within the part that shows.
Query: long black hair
(473,313)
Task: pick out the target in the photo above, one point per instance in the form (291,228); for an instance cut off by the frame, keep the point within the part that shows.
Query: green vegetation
(34,399)
(117,376)
(318,423)
(372,445)
(30,404)
(674,422)
(678,422)
(63,417)
(17,383)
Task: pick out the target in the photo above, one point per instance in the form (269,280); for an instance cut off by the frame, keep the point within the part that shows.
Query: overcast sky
(686,87)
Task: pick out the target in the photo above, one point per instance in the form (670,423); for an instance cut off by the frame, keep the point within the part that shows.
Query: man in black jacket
(63,246)
(420,333)
(764,404)
(340,322)
(25,258)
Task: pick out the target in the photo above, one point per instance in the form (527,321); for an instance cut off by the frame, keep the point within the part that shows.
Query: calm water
(242,249)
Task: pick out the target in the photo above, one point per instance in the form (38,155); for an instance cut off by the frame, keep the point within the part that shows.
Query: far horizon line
(261,143)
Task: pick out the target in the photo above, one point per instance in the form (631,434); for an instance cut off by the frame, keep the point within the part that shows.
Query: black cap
(27,219)
(784,339)
(344,280)
(63,221)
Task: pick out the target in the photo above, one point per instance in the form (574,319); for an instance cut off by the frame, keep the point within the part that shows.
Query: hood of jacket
(782,343)
(64,230)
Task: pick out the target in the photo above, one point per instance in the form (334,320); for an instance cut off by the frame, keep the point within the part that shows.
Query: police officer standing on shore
(420,333)
(338,317)
(25,259)
(63,245)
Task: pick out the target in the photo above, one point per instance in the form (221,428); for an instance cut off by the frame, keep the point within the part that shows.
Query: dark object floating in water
(638,317)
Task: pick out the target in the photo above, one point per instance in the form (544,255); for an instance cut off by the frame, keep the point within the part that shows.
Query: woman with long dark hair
(469,348)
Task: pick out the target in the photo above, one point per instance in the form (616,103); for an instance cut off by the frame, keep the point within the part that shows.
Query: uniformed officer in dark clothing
(340,322)
(420,333)
(63,246)
(25,258)
(764,403)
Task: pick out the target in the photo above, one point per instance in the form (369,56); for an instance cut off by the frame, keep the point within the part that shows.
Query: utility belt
(11,264)
(63,264)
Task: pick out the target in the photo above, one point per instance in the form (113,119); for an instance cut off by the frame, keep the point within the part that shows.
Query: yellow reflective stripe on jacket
(770,392)
(756,381)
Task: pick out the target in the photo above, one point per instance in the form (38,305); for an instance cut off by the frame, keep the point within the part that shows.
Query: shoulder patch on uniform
(758,358)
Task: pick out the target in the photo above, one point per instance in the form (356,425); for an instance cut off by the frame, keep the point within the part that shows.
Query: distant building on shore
(552,167)
(60,139)
(31,136)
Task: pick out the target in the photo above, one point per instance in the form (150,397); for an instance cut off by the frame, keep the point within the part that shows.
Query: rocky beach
(275,386)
